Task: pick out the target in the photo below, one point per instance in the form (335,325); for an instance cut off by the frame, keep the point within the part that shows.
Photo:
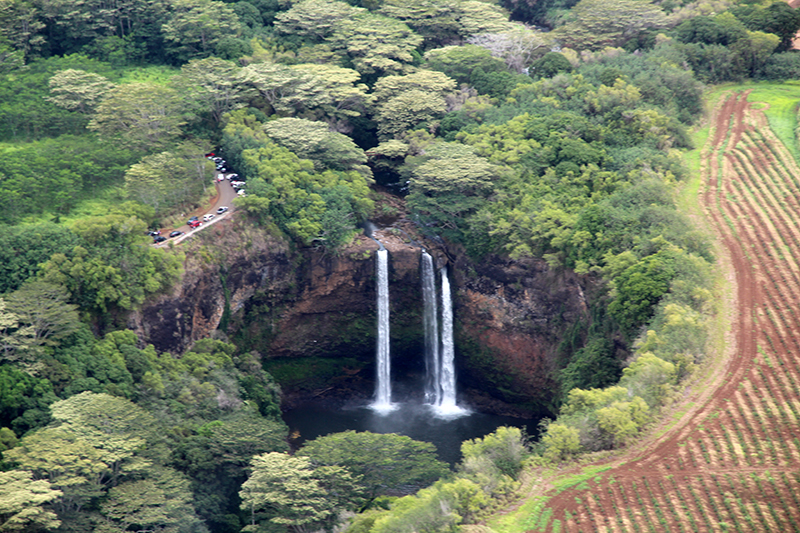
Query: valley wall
(311,315)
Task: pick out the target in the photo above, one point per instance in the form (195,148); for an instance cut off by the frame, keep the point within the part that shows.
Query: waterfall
(383,392)
(431,326)
(447,378)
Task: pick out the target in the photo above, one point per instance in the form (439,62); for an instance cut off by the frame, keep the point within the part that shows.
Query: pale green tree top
(327,91)
(78,90)
(596,24)
(288,489)
(21,501)
(446,21)
(144,115)
(160,502)
(429,81)
(314,140)
(212,85)
(375,43)
(315,20)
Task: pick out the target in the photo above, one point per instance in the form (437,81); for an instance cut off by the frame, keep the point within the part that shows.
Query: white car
(208,217)
(221,177)
(241,193)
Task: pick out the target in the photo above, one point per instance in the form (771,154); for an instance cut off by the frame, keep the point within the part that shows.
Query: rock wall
(312,315)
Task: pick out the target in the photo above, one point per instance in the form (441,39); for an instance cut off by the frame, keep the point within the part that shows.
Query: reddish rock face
(291,306)
(513,315)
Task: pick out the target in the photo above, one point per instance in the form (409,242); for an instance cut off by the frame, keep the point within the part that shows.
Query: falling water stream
(430,321)
(383,389)
(439,419)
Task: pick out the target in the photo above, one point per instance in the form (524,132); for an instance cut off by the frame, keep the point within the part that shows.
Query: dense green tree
(460,62)
(22,500)
(23,248)
(325,92)
(44,317)
(777,18)
(116,276)
(24,399)
(160,502)
(145,116)
(380,463)
(288,490)
(448,183)
(443,23)
(25,112)
(195,27)
(596,24)
(314,20)
(21,27)
(169,180)
(375,44)
(211,86)
(404,102)
(314,141)
(77,90)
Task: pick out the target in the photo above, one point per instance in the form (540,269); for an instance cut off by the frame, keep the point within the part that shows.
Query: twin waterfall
(440,376)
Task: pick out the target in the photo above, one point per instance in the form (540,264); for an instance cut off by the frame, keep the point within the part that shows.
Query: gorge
(311,317)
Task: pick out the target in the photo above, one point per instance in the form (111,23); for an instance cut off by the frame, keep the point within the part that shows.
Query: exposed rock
(312,315)
(512,316)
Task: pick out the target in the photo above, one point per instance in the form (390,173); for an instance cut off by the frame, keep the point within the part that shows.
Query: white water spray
(383,393)
(430,322)
(447,378)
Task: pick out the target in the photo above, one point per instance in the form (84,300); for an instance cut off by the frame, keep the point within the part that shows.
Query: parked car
(220,177)
(208,217)
(158,239)
(221,210)
(192,220)
(194,223)
(175,233)
(241,192)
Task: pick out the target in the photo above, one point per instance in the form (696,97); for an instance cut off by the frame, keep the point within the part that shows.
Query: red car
(194,223)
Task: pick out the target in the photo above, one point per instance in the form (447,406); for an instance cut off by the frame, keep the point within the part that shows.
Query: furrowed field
(732,461)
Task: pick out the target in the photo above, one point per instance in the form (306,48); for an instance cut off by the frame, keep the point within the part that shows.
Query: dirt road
(732,461)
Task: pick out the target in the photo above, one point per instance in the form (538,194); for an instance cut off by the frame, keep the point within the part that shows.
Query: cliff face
(512,317)
(312,316)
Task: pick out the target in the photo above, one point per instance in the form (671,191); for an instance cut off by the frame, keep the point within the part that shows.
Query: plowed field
(733,462)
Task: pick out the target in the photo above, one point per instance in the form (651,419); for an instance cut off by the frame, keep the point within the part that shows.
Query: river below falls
(411,418)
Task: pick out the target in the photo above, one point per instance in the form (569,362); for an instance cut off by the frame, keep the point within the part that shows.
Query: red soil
(732,462)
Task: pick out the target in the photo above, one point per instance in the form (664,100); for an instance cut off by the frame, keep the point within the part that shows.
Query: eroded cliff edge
(311,315)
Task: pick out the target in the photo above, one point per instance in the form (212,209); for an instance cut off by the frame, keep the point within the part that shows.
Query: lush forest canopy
(549,128)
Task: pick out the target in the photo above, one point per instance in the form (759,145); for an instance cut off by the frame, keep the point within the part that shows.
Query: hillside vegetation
(501,139)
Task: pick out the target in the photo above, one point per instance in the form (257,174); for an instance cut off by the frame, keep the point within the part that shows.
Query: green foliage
(142,115)
(596,24)
(22,500)
(505,449)
(25,112)
(593,366)
(23,248)
(24,400)
(288,490)
(460,62)
(53,174)
(289,191)
(382,463)
(170,181)
(448,183)
(195,27)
